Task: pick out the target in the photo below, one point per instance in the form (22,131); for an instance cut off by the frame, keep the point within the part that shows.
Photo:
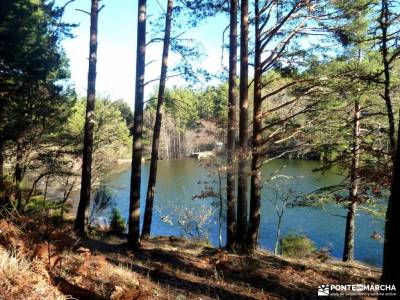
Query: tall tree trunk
(18,176)
(256,183)
(348,253)
(391,248)
(134,204)
(241,230)
(384,23)
(148,214)
(89,124)
(232,123)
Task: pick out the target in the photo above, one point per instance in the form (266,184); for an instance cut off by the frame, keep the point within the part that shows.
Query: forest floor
(101,266)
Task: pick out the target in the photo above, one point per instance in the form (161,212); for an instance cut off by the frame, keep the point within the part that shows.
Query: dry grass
(23,279)
(181,268)
(103,267)
(95,274)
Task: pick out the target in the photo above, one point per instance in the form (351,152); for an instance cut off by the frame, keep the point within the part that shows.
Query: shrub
(117,222)
(21,278)
(39,204)
(296,245)
(102,200)
(323,254)
(194,221)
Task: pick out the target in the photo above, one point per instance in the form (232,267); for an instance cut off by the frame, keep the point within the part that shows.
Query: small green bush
(38,203)
(117,222)
(296,245)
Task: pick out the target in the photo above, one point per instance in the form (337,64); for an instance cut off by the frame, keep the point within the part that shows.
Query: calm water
(179,180)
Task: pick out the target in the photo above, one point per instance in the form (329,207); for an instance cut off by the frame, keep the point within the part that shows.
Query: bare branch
(84,11)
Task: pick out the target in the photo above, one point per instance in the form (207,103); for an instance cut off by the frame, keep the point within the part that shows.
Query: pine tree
(134,202)
(157,126)
(256,183)
(86,180)
(232,119)
(241,229)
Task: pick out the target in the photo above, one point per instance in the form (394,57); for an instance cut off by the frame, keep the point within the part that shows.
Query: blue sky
(117,47)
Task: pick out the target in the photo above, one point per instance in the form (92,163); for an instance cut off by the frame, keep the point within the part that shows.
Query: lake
(179,180)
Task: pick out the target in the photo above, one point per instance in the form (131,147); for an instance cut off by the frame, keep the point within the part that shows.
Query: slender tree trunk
(18,176)
(89,124)
(256,183)
(33,188)
(166,144)
(384,23)
(241,230)
(221,207)
(391,249)
(134,204)
(348,253)
(176,147)
(46,187)
(148,215)
(278,232)
(182,143)
(232,123)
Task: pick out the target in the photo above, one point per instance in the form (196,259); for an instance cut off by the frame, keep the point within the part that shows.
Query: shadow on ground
(198,272)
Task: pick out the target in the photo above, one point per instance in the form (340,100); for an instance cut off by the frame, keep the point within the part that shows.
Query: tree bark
(134,204)
(348,253)
(241,230)
(148,215)
(256,182)
(232,120)
(79,225)
(384,23)
(391,248)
